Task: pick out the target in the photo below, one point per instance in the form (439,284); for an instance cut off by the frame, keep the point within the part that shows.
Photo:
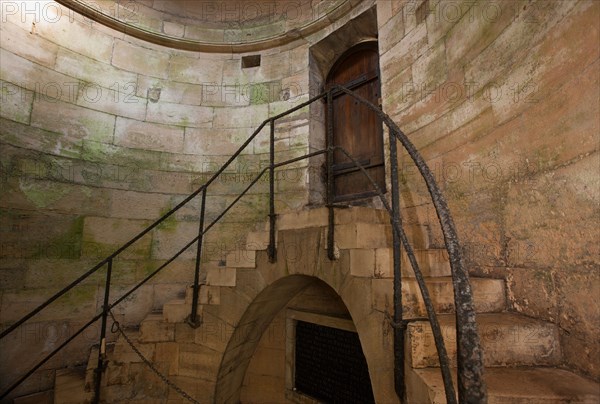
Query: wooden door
(356,128)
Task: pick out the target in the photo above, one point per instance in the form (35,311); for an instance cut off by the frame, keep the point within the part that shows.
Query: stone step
(154,328)
(361,236)
(69,387)
(123,353)
(319,217)
(344,219)
(209,295)
(507,340)
(44,397)
(432,262)
(177,311)
(523,385)
(488,295)
(258,240)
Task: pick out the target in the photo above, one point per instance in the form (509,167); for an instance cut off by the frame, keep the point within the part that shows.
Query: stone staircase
(522,355)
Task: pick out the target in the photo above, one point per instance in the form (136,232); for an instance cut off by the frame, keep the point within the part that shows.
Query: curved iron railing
(471,388)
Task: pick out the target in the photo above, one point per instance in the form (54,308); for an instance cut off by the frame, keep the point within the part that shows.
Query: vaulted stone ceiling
(215,26)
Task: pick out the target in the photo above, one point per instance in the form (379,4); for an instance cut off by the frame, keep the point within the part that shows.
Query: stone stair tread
(488,295)
(319,217)
(508,339)
(526,385)
(153,317)
(44,397)
(69,387)
(504,318)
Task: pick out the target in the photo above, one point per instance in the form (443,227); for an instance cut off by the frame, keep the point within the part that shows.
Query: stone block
(384,261)
(133,309)
(430,70)
(360,214)
(180,115)
(362,263)
(142,135)
(49,84)
(363,235)
(177,311)
(137,205)
(483,23)
(198,361)
(79,302)
(258,240)
(215,142)
(208,70)
(170,91)
(91,71)
(102,236)
(174,29)
(168,352)
(165,292)
(140,60)
(81,37)
(302,219)
(120,99)
(210,295)
(31,47)
(45,397)
(17,102)
(432,262)
(69,387)
(488,296)
(382,295)
(170,240)
(507,340)
(392,31)
(241,117)
(241,259)
(154,329)
(221,276)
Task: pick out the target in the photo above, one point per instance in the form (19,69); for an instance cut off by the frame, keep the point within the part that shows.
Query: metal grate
(330,365)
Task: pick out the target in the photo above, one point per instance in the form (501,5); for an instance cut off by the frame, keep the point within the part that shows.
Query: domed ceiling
(215,26)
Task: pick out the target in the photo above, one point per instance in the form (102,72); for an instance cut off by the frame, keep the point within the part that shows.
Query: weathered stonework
(101,133)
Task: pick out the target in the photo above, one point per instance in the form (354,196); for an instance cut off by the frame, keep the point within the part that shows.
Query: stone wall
(501,98)
(101,134)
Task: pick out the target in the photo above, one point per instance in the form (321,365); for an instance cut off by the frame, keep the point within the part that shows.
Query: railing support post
(330,182)
(399,326)
(193,319)
(102,349)
(272,250)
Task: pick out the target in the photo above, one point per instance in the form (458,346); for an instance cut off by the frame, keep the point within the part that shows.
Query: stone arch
(277,284)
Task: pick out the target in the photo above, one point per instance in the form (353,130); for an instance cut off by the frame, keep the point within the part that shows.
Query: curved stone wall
(103,133)
(501,98)
(216,26)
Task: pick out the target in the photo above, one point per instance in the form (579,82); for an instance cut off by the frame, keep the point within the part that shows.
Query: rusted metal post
(193,319)
(330,182)
(102,348)
(272,250)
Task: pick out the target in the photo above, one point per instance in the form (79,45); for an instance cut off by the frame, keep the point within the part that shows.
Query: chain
(116,327)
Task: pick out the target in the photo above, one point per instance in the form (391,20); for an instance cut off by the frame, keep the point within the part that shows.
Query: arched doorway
(356,128)
(296,341)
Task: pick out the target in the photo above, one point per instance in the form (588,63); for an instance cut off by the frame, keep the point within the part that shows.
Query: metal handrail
(471,387)
(470,366)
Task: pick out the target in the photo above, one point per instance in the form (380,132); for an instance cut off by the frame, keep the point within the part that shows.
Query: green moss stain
(169,224)
(42,195)
(66,245)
